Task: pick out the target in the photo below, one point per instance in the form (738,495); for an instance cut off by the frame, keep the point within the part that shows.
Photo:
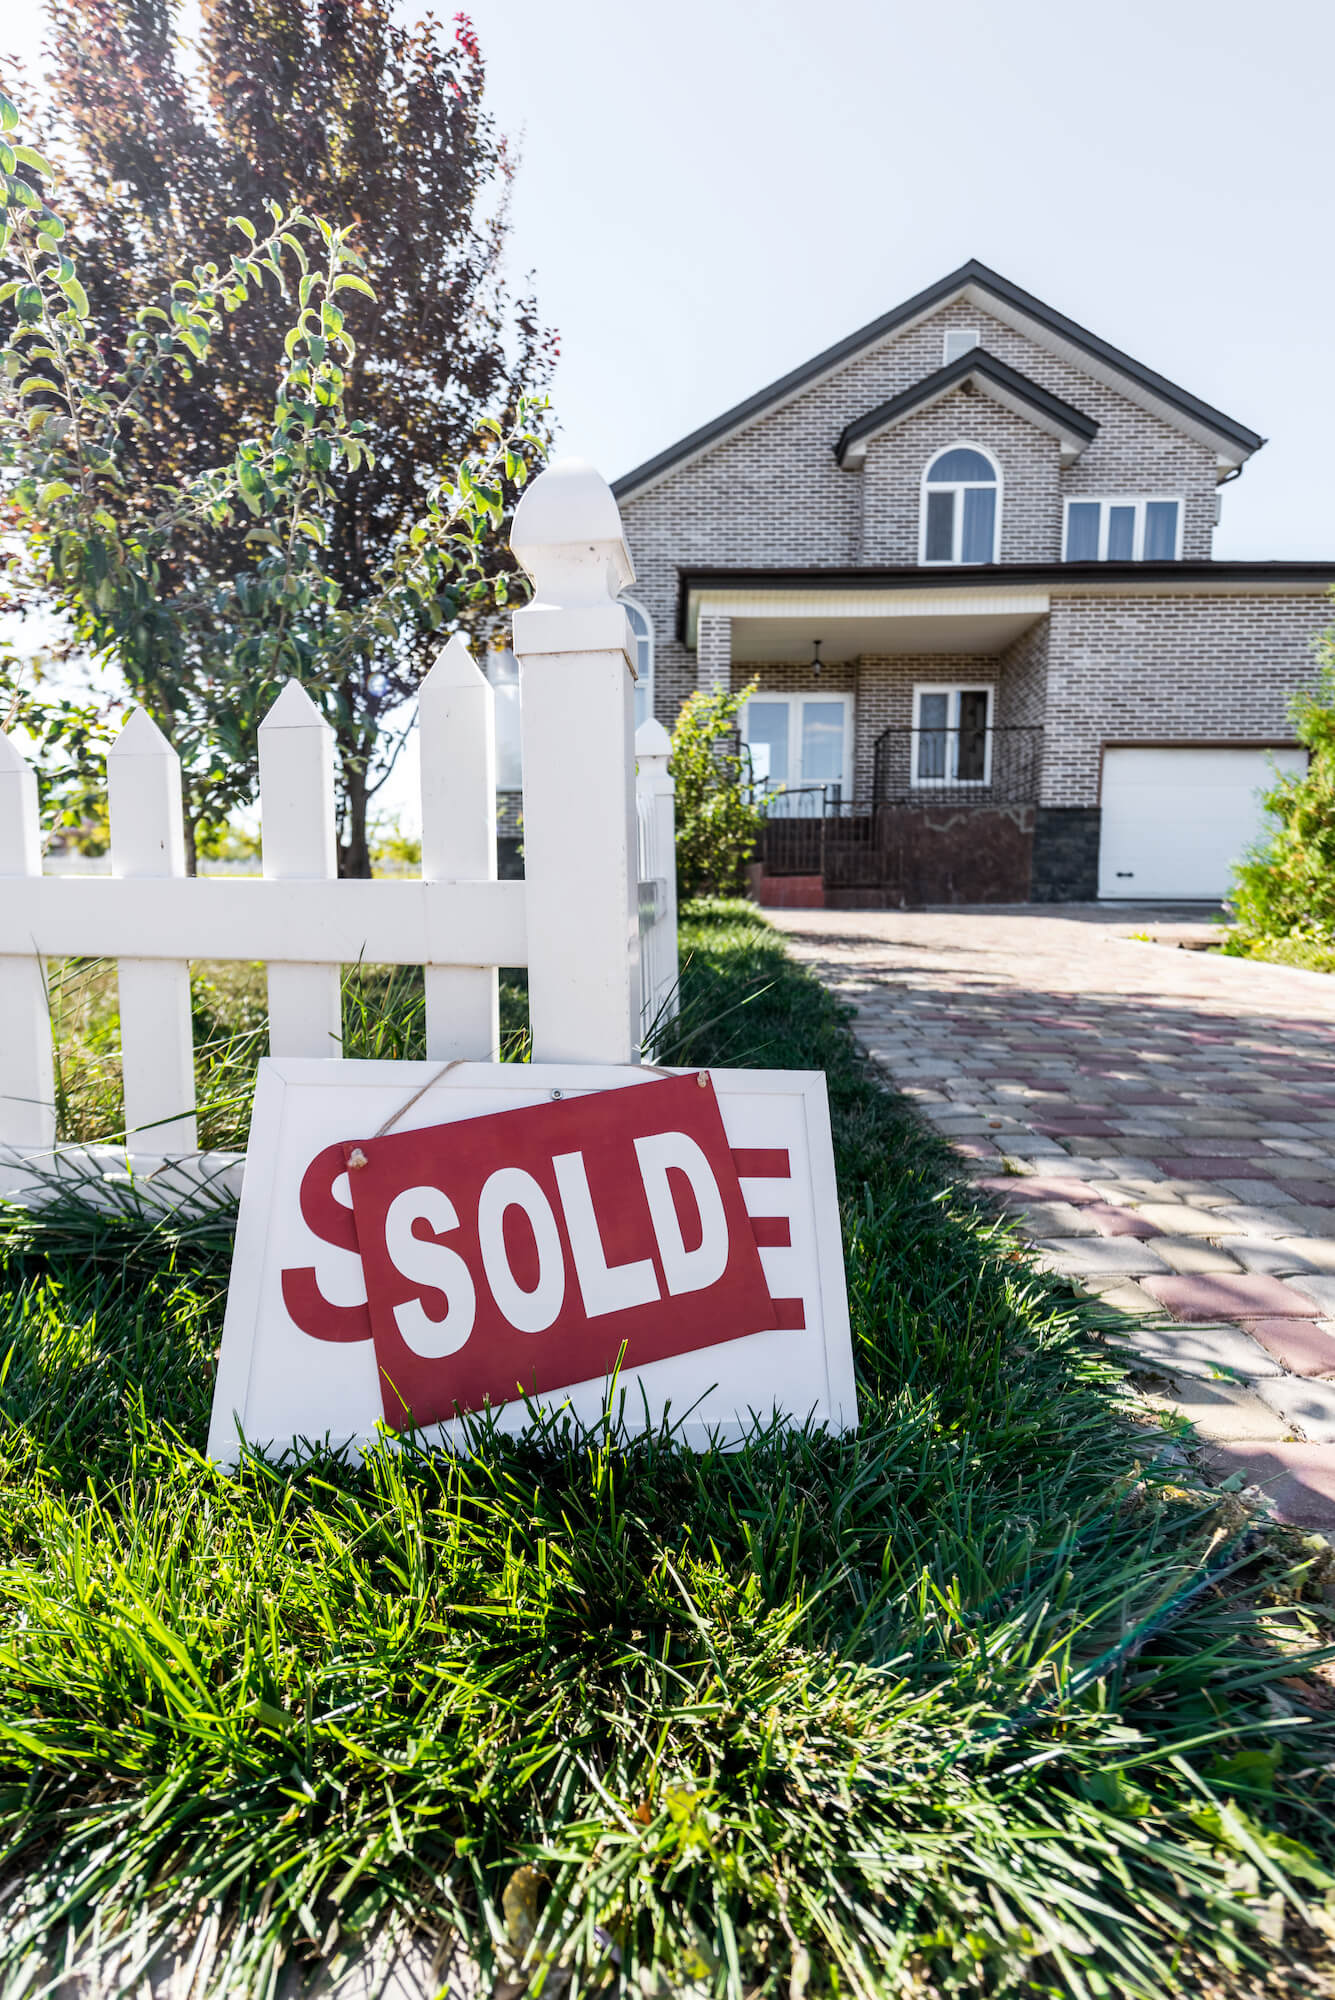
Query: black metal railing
(796,819)
(957,766)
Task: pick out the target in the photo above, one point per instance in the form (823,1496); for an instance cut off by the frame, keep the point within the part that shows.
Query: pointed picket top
(651,739)
(293,709)
(454,667)
(567,533)
(139,736)
(12,760)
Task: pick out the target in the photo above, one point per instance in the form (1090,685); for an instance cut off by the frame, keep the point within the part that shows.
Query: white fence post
(299,844)
(655,796)
(27,1073)
(580,842)
(148,839)
(457,740)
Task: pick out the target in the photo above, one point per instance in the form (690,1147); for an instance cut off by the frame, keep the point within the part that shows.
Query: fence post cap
(293,709)
(453,666)
(567,534)
(139,736)
(11,758)
(651,739)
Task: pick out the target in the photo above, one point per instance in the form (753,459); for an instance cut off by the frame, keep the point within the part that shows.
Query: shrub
(718,820)
(1286,886)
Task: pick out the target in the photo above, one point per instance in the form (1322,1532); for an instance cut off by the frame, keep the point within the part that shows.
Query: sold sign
(507,1255)
(512,1233)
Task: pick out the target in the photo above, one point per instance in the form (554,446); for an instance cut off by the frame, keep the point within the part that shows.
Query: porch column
(713,653)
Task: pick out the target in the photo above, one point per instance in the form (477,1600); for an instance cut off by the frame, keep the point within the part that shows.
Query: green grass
(976,1702)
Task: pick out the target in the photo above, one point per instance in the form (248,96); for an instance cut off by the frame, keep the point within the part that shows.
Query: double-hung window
(952,735)
(1130,530)
(960,507)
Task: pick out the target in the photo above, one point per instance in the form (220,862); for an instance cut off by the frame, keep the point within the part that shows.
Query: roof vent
(959,339)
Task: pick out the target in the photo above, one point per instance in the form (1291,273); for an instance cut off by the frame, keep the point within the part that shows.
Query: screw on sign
(512,1253)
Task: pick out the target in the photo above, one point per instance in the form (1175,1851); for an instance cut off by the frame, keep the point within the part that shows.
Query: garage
(1175,820)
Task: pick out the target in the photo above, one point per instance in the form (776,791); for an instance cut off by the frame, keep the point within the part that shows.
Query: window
(800,748)
(952,735)
(958,341)
(644,659)
(1123,530)
(960,507)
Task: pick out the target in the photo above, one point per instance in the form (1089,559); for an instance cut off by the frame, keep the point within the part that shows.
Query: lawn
(984,1700)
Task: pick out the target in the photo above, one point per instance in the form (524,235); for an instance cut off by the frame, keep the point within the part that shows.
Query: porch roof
(978,608)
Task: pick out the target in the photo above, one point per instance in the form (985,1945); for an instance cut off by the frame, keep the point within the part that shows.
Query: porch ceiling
(771,640)
(770,627)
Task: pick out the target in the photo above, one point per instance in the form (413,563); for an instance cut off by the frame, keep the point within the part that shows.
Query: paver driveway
(1170,1117)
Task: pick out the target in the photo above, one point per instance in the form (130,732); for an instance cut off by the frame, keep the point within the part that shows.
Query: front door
(801,751)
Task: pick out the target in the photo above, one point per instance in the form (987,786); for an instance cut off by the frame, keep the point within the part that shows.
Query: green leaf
(9,117)
(58,489)
(239,222)
(29,158)
(76,295)
(346,282)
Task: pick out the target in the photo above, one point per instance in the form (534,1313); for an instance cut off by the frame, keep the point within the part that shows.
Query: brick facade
(1169,669)
(1123,662)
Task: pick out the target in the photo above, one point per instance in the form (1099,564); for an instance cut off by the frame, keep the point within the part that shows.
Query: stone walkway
(1162,1123)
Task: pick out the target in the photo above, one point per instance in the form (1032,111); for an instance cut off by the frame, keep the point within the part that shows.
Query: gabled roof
(1070,426)
(1233,442)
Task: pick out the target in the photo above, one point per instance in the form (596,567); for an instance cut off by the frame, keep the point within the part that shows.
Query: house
(965,555)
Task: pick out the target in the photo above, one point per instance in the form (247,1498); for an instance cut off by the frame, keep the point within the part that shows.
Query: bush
(1285,888)
(718,821)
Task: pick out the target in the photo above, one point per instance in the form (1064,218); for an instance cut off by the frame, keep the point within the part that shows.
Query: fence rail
(594,920)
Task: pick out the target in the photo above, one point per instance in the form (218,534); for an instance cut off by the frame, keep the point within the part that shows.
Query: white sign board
(401,1248)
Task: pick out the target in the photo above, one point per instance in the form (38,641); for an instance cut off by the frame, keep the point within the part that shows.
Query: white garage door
(1175,821)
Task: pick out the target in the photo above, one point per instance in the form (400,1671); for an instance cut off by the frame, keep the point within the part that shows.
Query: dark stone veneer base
(1066,854)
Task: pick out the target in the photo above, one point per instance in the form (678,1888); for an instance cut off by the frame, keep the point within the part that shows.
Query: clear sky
(713,190)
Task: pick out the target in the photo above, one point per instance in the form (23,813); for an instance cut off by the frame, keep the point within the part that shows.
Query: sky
(712,191)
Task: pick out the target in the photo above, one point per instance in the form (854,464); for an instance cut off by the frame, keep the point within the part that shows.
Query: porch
(896,736)
(950,820)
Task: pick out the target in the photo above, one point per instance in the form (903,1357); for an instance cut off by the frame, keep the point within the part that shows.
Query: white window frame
(971,333)
(958,486)
(794,699)
(954,689)
(643,680)
(1107,501)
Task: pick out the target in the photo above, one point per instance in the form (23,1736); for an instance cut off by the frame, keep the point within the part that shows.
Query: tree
(332,108)
(718,819)
(205,645)
(1286,886)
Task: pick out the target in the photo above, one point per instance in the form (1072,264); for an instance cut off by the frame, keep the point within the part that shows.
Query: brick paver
(1162,1124)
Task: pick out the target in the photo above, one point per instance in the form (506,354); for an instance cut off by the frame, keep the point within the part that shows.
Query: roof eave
(1235,442)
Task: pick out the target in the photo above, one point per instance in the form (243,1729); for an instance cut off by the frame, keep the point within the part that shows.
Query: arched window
(642,626)
(961,494)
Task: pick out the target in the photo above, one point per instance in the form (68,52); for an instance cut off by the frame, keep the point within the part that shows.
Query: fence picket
(655,795)
(575,647)
(299,845)
(598,899)
(457,742)
(148,841)
(27,1075)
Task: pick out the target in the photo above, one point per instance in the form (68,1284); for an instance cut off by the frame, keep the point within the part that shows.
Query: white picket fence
(594,920)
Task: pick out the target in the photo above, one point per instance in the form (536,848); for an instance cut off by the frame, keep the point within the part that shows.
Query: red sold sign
(517,1252)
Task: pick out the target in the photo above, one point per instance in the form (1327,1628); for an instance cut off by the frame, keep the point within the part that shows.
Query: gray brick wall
(772,495)
(1168,668)
(1030,493)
